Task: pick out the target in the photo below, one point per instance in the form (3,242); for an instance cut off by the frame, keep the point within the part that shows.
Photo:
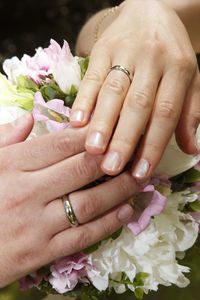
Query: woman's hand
(149,39)
(34,174)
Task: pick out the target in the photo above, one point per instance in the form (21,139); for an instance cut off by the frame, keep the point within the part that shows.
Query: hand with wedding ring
(35,226)
(143,84)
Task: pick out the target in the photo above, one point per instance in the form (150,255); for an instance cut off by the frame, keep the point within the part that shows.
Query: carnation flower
(30,281)
(147,203)
(64,66)
(153,251)
(36,67)
(67,272)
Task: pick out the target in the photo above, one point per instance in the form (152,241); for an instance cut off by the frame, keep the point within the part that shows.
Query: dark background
(28,24)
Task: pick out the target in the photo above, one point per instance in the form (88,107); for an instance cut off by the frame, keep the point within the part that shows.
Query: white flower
(153,251)
(174,161)
(10,113)
(34,67)
(64,66)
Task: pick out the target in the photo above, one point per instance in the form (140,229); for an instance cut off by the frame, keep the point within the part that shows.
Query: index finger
(46,150)
(99,65)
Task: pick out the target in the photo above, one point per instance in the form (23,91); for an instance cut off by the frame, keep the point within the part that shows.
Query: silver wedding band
(123,69)
(69,212)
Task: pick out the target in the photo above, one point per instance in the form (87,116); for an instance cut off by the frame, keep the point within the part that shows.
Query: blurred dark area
(28,24)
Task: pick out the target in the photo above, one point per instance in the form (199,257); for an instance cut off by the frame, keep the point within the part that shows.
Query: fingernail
(112,161)
(77,116)
(125,213)
(141,169)
(96,139)
(21,120)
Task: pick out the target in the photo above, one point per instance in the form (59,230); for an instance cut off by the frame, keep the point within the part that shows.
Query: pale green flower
(10,95)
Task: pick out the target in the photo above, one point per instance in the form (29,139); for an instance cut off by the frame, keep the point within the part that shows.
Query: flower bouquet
(147,252)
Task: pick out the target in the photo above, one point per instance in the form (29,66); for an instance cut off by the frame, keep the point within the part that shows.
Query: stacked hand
(149,40)
(34,229)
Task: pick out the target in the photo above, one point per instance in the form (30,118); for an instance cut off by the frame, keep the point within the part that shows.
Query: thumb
(16,131)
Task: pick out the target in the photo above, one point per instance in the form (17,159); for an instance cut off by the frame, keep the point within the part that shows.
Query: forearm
(188,11)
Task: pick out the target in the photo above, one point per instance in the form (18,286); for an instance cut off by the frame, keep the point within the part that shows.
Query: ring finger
(109,104)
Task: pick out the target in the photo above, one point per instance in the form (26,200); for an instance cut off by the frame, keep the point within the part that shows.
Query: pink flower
(36,67)
(197,167)
(67,272)
(49,119)
(161,180)
(29,281)
(64,66)
(196,217)
(148,203)
(196,188)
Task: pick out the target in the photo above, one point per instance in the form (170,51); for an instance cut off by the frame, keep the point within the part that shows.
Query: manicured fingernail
(125,213)
(77,116)
(112,161)
(96,139)
(21,120)
(141,169)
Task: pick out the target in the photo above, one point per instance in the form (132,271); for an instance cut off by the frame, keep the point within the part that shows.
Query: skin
(156,42)
(34,229)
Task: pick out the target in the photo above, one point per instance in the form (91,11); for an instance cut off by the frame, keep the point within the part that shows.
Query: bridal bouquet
(147,252)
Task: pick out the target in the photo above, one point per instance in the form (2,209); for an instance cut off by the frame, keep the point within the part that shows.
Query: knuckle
(81,240)
(153,47)
(93,76)
(115,85)
(126,185)
(87,167)
(107,227)
(88,207)
(140,100)
(166,110)
(63,145)
(152,147)
(185,62)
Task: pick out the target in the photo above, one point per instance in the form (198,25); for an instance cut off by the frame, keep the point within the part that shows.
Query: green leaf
(26,83)
(69,99)
(115,235)
(140,278)
(92,248)
(73,91)
(83,63)
(195,205)
(139,293)
(51,91)
(191,176)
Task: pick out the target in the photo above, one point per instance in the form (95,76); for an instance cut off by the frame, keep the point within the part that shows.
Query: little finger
(73,240)
(190,118)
